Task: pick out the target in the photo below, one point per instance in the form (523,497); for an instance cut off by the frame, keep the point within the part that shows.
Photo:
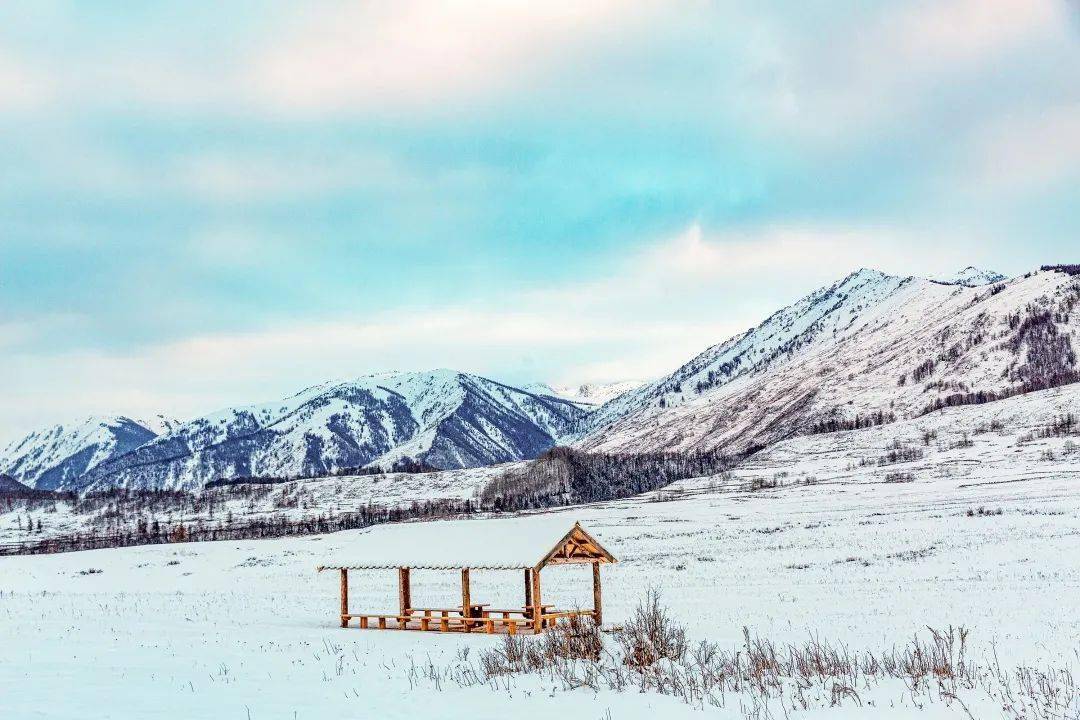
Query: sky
(207,204)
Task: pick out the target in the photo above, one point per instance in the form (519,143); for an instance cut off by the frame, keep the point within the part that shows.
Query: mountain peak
(971,276)
(50,457)
(588,393)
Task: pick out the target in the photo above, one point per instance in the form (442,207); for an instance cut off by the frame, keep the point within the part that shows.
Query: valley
(861,535)
(230,628)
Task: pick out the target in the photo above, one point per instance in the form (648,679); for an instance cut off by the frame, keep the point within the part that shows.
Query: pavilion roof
(520,542)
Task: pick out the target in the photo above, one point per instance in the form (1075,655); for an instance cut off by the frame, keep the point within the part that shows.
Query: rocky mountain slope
(55,457)
(869,349)
(443,419)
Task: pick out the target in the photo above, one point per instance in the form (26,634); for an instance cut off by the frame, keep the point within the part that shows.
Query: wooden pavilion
(519,544)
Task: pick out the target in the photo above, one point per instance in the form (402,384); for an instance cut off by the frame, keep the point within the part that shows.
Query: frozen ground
(248,629)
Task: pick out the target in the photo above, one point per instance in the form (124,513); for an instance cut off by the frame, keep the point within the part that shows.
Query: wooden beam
(344,597)
(465,602)
(528,587)
(537,620)
(597,606)
(404,591)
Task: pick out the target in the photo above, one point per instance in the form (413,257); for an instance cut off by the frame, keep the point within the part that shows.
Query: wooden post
(528,588)
(344,597)
(465,602)
(404,592)
(597,610)
(537,605)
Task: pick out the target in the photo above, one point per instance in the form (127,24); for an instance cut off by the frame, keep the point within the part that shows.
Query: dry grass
(651,653)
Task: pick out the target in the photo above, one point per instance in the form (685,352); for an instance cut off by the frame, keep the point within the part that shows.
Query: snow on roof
(486,544)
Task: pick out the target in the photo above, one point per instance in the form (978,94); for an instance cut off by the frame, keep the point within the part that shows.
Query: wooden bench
(485,618)
(381,620)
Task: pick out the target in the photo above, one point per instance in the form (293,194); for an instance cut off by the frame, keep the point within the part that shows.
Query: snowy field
(249,630)
(294,500)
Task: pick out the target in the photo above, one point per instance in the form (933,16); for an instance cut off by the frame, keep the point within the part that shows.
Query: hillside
(442,419)
(869,349)
(9,485)
(56,457)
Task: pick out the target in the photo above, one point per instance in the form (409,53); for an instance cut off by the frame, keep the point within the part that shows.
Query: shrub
(651,635)
(652,656)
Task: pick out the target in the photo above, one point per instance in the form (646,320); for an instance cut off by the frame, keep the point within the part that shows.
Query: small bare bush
(651,635)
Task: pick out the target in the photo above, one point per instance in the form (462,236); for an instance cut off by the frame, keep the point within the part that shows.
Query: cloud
(1029,151)
(775,250)
(872,73)
(972,31)
(422,56)
(21,88)
(246,177)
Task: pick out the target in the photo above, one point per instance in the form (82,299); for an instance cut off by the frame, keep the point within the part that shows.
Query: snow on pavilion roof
(484,544)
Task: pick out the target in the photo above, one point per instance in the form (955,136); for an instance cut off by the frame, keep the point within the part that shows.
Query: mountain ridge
(440,418)
(866,349)
(870,347)
(50,458)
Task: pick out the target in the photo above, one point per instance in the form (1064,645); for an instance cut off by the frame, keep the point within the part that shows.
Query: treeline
(1062,426)
(1067,269)
(859,422)
(154,532)
(565,476)
(1046,357)
(402,465)
(39,496)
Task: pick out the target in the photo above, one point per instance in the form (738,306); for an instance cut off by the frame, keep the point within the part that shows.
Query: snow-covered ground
(248,629)
(294,500)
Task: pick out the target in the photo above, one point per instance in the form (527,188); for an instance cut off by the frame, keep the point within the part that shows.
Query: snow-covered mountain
(442,418)
(596,393)
(56,457)
(972,276)
(870,348)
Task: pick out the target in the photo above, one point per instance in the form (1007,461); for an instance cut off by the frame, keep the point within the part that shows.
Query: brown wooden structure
(575,547)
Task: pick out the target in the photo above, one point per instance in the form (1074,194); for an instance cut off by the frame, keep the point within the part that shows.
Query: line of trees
(153,532)
(565,476)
